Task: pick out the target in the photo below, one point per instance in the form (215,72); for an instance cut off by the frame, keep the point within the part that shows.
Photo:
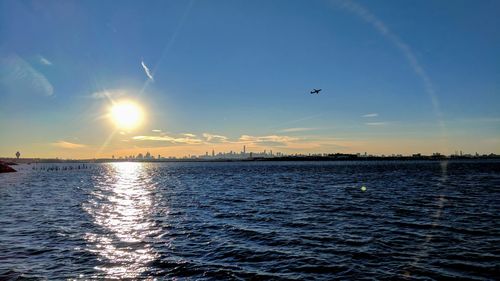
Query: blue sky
(397,76)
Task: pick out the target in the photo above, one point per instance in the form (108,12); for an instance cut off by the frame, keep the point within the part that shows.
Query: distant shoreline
(333,158)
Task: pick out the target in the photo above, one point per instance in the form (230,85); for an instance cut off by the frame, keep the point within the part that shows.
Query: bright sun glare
(126,115)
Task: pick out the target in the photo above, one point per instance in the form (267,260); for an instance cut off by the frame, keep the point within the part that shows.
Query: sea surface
(252,220)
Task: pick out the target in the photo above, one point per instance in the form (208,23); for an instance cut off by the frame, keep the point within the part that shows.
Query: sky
(397,77)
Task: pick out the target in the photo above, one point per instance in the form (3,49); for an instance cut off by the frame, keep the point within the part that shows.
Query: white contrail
(44,61)
(167,47)
(148,72)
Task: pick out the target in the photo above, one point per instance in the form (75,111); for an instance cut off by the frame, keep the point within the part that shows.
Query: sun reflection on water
(121,208)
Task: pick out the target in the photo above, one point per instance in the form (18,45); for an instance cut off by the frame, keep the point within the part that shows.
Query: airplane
(315,91)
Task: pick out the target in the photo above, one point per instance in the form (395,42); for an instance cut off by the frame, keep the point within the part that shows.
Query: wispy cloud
(272,140)
(214,138)
(67,145)
(19,77)
(282,143)
(376,123)
(292,130)
(156,131)
(168,139)
(210,139)
(44,60)
(370,115)
(147,71)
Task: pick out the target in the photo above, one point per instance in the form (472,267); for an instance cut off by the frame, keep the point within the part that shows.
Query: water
(280,221)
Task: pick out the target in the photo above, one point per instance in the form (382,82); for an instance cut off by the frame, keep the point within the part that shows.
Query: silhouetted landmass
(356,157)
(4,168)
(323,157)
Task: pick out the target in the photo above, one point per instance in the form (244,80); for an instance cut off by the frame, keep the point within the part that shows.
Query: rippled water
(283,220)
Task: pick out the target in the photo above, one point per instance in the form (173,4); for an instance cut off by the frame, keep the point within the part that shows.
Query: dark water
(217,221)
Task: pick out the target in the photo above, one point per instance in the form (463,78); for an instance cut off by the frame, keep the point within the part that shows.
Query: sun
(126,115)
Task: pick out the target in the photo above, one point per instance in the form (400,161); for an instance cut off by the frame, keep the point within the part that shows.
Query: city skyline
(265,154)
(85,80)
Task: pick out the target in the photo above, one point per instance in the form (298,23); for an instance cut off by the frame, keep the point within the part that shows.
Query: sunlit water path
(289,221)
(121,207)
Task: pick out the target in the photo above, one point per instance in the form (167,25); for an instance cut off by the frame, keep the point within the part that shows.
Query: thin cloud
(153,138)
(292,130)
(267,139)
(168,139)
(156,131)
(67,145)
(18,76)
(147,71)
(370,115)
(281,142)
(214,138)
(44,60)
(187,138)
(376,123)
